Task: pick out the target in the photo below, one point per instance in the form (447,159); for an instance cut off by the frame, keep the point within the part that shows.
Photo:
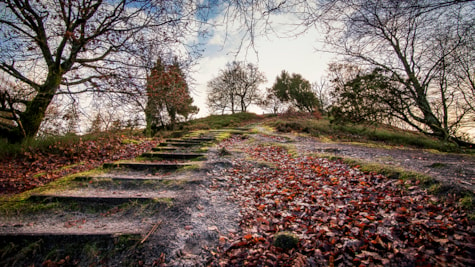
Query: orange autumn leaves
(341,215)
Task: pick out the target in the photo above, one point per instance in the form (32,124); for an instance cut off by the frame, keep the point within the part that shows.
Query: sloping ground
(447,168)
(34,167)
(124,215)
(228,208)
(337,214)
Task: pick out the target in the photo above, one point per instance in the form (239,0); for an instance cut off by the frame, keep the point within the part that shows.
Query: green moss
(286,240)
(438,165)
(130,141)
(467,202)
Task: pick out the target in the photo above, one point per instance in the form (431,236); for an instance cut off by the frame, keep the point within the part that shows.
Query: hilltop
(221,190)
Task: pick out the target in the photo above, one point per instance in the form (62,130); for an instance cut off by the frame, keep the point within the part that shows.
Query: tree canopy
(52,48)
(364,98)
(168,96)
(235,88)
(295,91)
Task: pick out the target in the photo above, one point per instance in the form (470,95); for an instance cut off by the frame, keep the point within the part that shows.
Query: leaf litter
(341,215)
(35,167)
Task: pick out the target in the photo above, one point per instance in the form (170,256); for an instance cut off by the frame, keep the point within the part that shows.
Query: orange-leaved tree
(168,95)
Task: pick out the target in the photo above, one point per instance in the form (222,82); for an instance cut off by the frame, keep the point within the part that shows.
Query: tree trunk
(243,105)
(36,109)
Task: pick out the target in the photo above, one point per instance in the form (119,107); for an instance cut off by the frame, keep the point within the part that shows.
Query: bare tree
(404,39)
(72,47)
(425,47)
(414,41)
(322,90)
(236,88)
(272,103)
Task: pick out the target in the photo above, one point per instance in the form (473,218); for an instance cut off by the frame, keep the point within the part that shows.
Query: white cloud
(274,54)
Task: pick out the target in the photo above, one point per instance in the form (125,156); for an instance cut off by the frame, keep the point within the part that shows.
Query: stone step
(89,199)
(179,144)
(145,165)
(202,139)
(165,148)
(61,245)
(111,197)
(118,183)
(190,140)
(183,156)
(121,178)
(66,236)
(232,131)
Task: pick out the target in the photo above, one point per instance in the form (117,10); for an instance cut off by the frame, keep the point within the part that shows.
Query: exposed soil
(447,168)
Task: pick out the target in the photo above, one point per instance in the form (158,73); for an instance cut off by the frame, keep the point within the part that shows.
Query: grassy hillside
(322,128)
(376,134)
(42,160)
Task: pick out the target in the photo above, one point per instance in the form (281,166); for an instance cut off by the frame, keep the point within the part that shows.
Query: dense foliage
(363,99)
(168,97)
(295,91)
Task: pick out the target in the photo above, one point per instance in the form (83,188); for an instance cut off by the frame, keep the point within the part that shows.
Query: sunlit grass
(371,135)
(222,121)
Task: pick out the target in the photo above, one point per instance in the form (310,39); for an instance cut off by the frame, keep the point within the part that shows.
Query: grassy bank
(372,134)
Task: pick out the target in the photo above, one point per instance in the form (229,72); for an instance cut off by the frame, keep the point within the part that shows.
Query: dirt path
(447,168)
(340,215)
(140,213)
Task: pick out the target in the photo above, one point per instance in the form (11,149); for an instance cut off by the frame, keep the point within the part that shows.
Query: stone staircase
(101,218)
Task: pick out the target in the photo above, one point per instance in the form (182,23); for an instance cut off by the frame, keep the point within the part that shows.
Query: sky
(272,55)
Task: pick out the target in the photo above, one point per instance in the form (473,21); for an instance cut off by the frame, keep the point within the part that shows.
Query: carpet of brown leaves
(341,215)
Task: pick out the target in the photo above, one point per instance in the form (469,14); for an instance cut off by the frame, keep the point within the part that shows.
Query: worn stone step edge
(145,165)
(182,149)
(172,140)
(178,144)
(166,148)
(136,179)
(73,237)
(113,200)
(176,155)
(122,178)
(203,139)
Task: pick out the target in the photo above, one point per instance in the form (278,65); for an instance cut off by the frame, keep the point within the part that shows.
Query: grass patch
(467,202)
(393,172)
(373,134)
(196,166)
(222,121)
(19,203)
(438,165)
